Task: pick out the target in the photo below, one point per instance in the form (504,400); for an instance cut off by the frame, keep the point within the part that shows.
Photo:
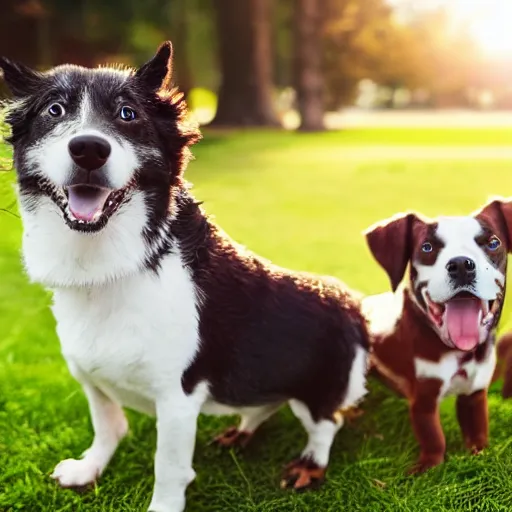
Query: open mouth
(85,208)
(463,318)
(88,207)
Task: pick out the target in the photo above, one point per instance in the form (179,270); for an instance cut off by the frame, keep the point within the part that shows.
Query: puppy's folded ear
(498,213)
(20,79)
(390,242)
(156,73)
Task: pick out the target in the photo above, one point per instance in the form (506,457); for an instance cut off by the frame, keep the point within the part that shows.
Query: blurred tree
(353,33)
(308,69)
(314,45)
(181,34)
(282,42)
(191,28)
(245,55)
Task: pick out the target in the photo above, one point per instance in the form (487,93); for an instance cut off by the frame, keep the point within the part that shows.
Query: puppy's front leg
(110,426)
(176,435)
(426,422)
(473,416)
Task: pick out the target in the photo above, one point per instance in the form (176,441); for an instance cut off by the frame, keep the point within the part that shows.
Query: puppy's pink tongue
(84,202)
(463,322)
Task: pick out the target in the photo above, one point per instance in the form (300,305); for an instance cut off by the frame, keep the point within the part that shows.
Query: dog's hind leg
(309,469)
(251,419)
(110,426)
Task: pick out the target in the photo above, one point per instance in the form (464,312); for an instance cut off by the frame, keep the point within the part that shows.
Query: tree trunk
(244,36)
(309,82)
(182,67)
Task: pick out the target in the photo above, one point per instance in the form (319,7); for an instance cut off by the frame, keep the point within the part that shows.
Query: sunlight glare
(489,21)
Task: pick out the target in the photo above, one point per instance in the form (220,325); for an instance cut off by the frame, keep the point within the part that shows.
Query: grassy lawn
(298,200)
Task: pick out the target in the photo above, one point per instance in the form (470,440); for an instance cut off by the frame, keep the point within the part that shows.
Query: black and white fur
(156,308)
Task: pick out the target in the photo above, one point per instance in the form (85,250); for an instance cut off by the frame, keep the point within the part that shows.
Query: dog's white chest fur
(133,338)
(457,378)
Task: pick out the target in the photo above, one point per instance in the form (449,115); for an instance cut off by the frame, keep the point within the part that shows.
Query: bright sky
(490,21)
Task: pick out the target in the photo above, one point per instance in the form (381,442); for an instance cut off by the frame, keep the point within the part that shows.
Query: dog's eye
(127,114)
(56,110)
(427,247)
(493,243)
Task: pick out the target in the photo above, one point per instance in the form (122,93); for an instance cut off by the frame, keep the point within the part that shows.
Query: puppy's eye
(127,113)
(493,243)
(56,110)
(427,247)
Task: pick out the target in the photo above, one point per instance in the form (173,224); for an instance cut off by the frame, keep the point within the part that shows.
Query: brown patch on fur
(425,233)
(406,234)
(396,232)
(497,216)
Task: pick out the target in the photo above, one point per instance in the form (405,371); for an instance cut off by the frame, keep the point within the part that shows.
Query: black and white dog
(157,309)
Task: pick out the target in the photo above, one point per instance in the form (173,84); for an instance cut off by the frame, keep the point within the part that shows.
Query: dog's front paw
(76,473)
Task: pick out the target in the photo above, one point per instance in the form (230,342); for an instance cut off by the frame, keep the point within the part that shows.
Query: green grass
(297,200)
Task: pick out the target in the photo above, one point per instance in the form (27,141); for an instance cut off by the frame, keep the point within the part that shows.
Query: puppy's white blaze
(57,256)
(458,235)
(479,374)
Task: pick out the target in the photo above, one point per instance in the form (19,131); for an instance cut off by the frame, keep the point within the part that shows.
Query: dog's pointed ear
(156,73)
(391,244)
(21,80)
(498,213)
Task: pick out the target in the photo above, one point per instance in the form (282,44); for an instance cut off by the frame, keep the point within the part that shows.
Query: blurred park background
(285,62)
(320,117)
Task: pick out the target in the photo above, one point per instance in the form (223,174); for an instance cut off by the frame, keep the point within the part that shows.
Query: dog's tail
(504,365)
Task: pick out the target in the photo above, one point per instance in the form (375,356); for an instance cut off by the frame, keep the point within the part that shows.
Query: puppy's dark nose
(462,270)
(89,151)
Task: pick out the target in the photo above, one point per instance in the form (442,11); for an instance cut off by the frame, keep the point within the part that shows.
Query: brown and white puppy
(435,336)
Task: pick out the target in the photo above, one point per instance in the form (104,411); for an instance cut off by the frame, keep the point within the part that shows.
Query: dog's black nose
(89,151)
(462,270)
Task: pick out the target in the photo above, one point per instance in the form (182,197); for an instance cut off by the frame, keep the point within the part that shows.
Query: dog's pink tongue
(84,202)
(463,322)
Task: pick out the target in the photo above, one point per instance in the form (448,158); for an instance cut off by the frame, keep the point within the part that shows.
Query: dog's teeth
(80,221)
(488,319)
